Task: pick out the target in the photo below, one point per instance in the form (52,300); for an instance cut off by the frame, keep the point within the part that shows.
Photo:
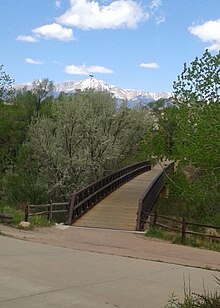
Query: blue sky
(127,43)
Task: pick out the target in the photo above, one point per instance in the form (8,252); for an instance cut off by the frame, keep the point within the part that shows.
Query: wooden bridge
(120,200)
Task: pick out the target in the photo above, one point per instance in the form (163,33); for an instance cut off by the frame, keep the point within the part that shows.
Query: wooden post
(154,219)
(26,212)
(183,231)
(70,214)
(138,220)
(50,208)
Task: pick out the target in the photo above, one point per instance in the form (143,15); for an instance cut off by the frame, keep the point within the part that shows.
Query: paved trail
(34,275)
(119,243)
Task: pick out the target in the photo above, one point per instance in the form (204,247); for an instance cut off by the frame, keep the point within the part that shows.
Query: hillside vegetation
(188,132)
(51,147)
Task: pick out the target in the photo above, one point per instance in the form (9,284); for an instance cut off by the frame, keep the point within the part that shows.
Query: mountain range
(132,96)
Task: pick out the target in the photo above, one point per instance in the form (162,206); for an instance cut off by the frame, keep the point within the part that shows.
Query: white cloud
(155,4)
(86,14)
(160,18)
(26,38)
(54,31)
(156,12)
(57,62)
(31,61)
(86,70)
(214,47)
(58,3)
(208,32)
(149,65)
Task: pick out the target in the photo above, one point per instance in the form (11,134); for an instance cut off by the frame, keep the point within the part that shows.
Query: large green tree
(85,137)
(14,119)
(6,85)
(188,132)
(199,82)
(41,89)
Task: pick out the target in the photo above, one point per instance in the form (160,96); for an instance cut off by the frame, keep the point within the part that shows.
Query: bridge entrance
(119,209)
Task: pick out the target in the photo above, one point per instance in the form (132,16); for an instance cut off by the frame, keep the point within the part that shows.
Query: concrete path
(119,209)
(121,243)
(34,275)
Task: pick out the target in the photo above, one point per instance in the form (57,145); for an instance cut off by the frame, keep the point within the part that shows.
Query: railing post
(155,219)
(138,220)
(50,209)
(70,216)
(183,231)
(26,212)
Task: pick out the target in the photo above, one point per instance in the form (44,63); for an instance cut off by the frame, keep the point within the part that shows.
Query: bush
(23,188)
(194,300)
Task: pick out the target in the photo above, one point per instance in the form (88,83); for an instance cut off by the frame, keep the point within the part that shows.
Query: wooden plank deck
(119,209)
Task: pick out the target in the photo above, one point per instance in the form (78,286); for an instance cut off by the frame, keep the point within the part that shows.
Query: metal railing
(86,198)
(149,197)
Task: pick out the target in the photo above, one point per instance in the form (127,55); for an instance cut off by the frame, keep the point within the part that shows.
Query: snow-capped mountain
(132,96)
(119,93)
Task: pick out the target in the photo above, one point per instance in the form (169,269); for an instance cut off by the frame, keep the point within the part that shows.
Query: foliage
(20,186)
(200,82)
(159,142)
(15,117)
(208,299)
(42,89)
(190,136)
(18,216)
(188,132)
(38,99)
(13,123)
(163,235)
(85,137)
(191,240)
(27,100)
(6,83)
(194,300)
(157,107)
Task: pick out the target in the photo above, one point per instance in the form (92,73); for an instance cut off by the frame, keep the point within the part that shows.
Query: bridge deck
(119,209)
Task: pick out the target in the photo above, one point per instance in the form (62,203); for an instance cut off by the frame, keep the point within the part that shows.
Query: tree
(15,117)
(13,123)
(157,107)
(6,83)
(159,140)
(199,82)
(25,99)
(87,135)
(198,126)
(42,89)
(188,132)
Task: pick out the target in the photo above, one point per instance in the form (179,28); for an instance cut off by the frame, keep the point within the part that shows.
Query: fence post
(49,216)
(183,231)
(155,219)
(26,212)
(71,208)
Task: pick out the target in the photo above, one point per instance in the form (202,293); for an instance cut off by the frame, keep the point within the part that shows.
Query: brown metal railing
(86,198)
(150,196)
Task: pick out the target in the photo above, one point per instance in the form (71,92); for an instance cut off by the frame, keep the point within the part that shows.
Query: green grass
(194,300)
(163,235)
(18,216)
(193,241)
(40,221)
(208,299)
